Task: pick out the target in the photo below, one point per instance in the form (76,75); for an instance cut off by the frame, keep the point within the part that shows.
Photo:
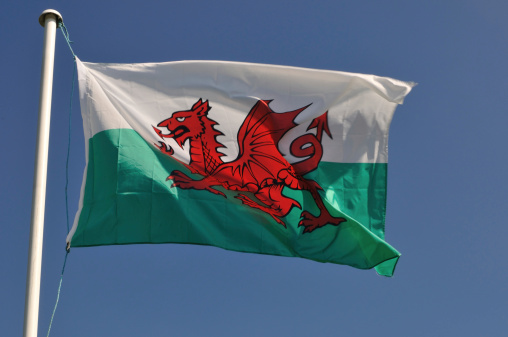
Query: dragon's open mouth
(176,133)
(179,131)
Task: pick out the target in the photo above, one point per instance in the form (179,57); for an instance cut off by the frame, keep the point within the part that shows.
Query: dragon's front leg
(183,181)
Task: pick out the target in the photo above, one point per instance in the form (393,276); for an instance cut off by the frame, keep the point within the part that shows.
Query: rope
(66,36)
(65,33)
(58,293)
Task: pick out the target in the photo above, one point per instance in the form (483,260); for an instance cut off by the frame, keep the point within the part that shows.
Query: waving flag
(247,157)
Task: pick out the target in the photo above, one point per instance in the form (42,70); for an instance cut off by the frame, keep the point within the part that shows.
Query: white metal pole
(48,19)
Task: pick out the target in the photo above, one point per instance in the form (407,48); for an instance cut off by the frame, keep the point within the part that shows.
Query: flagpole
(49,20)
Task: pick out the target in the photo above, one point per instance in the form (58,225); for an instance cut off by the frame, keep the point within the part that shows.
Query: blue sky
(447,187)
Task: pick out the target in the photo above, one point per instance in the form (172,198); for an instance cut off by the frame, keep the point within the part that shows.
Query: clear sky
(447,185)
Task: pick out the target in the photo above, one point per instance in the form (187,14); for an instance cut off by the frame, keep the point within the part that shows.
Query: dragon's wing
(259,158)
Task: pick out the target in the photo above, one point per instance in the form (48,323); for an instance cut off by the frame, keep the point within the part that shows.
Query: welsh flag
(247,157)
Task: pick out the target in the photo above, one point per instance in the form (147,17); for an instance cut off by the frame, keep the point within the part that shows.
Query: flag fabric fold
(246,157)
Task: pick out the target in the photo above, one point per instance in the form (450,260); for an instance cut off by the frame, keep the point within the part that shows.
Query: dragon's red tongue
(177,133)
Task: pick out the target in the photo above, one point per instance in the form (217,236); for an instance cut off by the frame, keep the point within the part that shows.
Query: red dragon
(259,168)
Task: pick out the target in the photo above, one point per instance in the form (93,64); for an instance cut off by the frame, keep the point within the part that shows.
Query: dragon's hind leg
(251,203)
(271,201)
(309,221)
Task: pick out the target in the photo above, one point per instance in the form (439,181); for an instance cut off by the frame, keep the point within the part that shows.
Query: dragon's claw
(247,201)
(311,222)
(214,191)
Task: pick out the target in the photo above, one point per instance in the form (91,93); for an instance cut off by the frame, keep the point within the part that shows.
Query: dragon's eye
(180,119)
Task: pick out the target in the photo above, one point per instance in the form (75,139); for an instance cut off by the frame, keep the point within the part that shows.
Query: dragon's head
(186,124)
